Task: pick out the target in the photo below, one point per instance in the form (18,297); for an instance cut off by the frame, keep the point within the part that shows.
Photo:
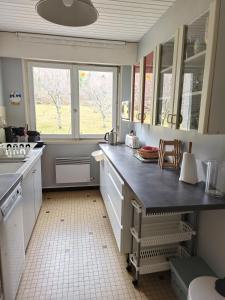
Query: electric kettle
(111,137)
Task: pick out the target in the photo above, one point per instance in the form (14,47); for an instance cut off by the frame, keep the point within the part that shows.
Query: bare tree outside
(95,90)
(52,86)
(52,98)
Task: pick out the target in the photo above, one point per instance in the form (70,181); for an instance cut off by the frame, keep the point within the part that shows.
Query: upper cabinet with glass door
(194,53)
(200,100)
(136,94)
(165,82)
(148,88)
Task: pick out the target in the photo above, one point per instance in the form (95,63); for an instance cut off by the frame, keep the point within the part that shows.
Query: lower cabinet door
(103,180)
(116,226)
(37,187)
(29,217)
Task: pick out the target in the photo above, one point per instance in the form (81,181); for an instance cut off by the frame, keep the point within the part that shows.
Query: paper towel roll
(188,172)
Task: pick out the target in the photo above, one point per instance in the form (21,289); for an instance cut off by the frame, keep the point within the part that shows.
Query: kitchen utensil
(188,171)
(33,136)
(111,137)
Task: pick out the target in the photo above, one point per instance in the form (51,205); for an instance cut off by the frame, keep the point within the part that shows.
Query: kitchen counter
(13,172)
(7,183)
(156,189)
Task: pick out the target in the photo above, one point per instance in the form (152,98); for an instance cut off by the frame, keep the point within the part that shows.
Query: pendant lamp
(73,13)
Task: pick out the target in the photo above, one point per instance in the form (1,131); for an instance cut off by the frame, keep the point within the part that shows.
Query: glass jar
(215,178)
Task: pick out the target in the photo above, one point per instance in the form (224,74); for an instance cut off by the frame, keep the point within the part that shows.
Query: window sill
(71,141)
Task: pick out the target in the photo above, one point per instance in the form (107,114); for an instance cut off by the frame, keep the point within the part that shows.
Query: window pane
(149,82)
(96,99)
(136,94)
(52,98)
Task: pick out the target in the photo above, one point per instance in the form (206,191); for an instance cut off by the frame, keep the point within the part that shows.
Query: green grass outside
(46,120)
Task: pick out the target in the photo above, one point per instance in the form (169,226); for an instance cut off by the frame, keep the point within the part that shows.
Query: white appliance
(203,288)
(12,243)
(132,141)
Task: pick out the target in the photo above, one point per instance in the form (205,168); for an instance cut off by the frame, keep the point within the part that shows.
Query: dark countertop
(7,183)
(159,190)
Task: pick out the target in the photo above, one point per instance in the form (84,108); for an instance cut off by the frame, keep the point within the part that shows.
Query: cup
(215,178)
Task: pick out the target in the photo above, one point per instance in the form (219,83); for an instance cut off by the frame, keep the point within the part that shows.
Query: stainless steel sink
(11,167)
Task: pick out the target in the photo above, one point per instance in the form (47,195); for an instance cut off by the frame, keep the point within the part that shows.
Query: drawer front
(116,227)
(177,287)
(116,197)
(116,178)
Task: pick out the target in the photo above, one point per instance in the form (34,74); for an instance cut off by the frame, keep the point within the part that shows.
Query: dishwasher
(12,243)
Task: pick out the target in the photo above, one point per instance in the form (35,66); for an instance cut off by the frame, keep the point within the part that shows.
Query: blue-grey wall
(211,234)
(53,151)
(12,79)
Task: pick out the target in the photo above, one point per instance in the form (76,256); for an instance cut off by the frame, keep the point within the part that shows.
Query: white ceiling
(126,20)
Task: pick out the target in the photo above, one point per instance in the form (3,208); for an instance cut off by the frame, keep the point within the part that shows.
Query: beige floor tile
(73,255)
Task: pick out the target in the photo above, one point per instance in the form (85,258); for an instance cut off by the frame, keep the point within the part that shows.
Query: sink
(11,167)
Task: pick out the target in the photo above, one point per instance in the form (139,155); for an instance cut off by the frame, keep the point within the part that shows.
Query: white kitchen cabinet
(37,187)
(189,87)
(32,199)
(28,206)
(165,81)
(115,195)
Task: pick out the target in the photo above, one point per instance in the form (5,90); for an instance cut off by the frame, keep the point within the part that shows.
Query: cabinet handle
(138,116)
(169,121)
(180,119)
(34,171)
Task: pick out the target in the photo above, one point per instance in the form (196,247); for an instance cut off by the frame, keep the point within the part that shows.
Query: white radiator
(72,169)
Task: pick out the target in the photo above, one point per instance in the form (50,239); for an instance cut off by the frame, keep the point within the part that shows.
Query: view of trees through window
(52,98)
(95,98)
(52,95)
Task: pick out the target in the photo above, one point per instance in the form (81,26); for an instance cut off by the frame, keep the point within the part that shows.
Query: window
(72,101)
(96,93)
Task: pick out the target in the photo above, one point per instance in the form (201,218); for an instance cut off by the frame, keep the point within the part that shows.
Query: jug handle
(106,137)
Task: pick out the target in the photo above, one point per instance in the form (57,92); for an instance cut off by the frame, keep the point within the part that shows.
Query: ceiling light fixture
(68,12)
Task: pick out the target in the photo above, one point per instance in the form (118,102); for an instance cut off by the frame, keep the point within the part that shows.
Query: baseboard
(70,188)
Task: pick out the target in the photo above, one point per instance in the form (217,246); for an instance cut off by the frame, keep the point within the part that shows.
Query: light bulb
(68,3)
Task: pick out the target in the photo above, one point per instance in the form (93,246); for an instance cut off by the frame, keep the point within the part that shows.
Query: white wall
(46,48)
(211,230)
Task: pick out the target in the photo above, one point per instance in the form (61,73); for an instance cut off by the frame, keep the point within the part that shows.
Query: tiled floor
(73,255)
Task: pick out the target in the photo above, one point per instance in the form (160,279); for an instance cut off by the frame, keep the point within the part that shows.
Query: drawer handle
(137,206)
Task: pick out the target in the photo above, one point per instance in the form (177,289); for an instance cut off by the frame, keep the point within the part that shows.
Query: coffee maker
(10,135)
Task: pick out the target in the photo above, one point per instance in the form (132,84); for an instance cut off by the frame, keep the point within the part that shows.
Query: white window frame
(75,107)
(114,100)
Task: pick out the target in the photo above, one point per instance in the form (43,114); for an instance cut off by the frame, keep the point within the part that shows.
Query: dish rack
(156,237)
